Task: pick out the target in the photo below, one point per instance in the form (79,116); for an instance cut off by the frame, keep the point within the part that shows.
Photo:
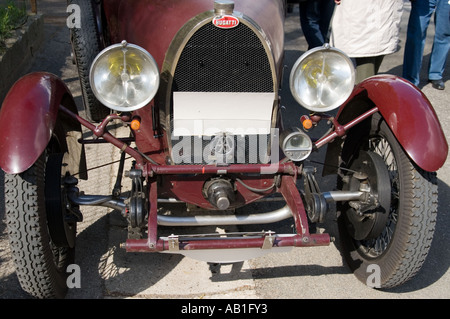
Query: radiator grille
(223,60)
(218,60)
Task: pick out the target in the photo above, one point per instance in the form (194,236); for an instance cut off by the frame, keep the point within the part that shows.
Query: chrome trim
(203,220)
(124,46)
(223,7)
(343,196)
(221,220)
(96,200)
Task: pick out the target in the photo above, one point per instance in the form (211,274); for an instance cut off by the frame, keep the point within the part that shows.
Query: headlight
(322,79)
(124,77)
(296,144)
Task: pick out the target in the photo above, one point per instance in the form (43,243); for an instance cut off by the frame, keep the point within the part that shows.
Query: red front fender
(28,118)
(409,115)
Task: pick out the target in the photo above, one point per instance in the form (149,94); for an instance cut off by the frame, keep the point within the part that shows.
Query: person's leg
(377,63)
(309,21)
(419,19)
(326,13)
(441,42)
(367,67)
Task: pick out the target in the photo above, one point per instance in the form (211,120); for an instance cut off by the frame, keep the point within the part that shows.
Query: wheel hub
(61,215)
(367,218)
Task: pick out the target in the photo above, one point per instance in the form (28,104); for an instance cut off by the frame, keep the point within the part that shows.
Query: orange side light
(135,124)
(306,122)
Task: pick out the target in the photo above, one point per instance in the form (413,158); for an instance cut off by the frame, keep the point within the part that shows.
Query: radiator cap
(223,7)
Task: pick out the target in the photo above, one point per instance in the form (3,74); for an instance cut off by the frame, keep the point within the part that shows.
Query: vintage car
(198,83)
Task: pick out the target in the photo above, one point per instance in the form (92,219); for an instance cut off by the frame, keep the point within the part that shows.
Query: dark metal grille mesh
(219,60)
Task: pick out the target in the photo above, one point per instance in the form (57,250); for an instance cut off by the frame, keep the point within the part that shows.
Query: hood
(152,24)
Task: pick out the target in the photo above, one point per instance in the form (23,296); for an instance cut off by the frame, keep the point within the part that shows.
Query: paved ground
(109,272)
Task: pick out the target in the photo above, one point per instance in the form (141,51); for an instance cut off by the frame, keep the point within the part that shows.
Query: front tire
(87,42)
(40,263)
(399,250)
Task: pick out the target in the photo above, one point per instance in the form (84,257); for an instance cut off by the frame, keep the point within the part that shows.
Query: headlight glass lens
(322,79)
(124,77)
(296,145)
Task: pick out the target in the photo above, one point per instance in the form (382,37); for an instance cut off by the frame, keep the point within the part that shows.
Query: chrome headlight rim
(326,49)
(129,107)
(295,153)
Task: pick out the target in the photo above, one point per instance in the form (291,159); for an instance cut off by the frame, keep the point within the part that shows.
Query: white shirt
(364,28)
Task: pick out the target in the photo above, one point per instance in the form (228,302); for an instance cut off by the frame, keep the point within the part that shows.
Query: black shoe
(437,84)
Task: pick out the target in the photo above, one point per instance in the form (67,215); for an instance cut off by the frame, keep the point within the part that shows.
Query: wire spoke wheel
(375,247)
(400,247)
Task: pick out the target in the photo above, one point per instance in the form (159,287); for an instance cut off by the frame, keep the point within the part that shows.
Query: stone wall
(21,49)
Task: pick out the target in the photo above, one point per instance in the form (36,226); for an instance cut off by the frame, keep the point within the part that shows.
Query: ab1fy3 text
(229,309)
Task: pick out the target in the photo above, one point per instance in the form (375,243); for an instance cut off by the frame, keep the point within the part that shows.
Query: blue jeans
(419,19)
(315,16)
